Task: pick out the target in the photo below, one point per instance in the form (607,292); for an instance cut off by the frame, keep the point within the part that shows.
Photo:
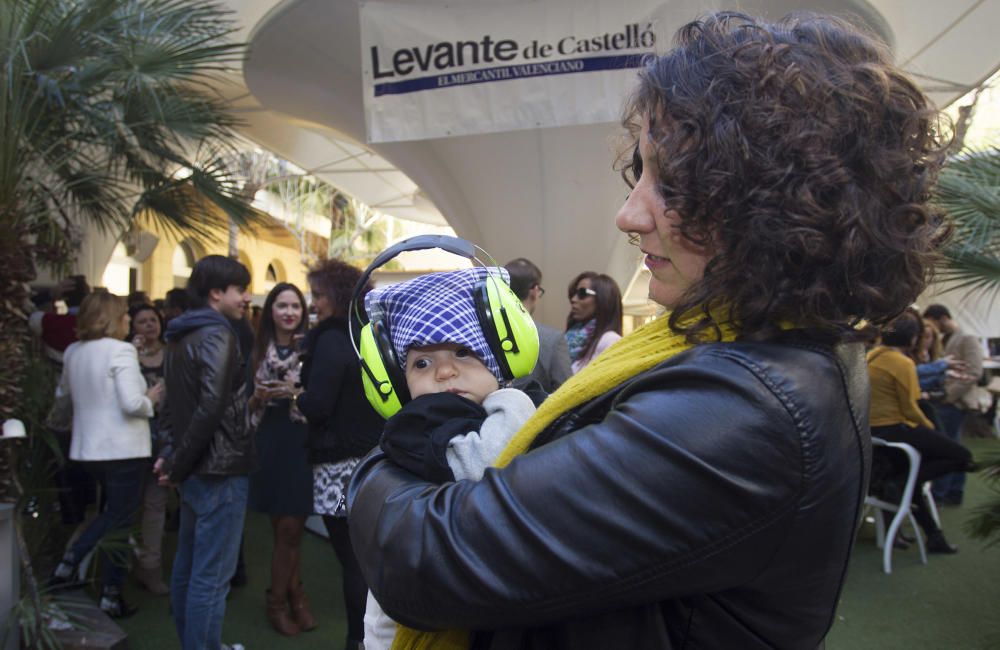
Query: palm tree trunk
(234,250)
(17,269)
(964,120)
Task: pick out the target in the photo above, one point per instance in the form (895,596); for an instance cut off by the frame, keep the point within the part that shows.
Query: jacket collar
(194,319)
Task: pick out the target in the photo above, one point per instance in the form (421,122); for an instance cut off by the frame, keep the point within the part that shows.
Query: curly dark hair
(336,279)
(803,158)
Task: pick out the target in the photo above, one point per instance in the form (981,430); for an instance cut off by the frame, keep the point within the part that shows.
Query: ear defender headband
(507,326)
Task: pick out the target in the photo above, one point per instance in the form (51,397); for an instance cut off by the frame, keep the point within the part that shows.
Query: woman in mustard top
(896,417)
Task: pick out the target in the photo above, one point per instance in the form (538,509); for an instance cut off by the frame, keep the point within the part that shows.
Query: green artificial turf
(152,628)
(949,604)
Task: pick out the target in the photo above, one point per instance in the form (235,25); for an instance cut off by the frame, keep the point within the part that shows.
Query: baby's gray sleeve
(470,454)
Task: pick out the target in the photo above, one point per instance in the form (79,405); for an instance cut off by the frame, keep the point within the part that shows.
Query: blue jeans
(950,486)
(212,513)
(121,481)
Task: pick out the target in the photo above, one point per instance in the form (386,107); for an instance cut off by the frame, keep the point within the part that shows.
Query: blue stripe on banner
(508,72)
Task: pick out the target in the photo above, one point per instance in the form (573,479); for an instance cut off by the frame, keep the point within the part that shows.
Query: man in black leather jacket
(209,452)
(699,485)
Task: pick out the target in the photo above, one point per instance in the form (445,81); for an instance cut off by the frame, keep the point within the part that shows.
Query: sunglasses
(581,293)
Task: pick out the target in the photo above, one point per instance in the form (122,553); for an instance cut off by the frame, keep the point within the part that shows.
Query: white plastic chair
(903,509)
(931,503)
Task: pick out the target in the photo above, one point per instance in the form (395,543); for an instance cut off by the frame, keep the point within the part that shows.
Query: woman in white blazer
(111,407)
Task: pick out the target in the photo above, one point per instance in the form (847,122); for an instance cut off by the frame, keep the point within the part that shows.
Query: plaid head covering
(435,308)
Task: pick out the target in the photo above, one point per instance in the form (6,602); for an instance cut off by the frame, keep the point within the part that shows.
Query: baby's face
(448,368)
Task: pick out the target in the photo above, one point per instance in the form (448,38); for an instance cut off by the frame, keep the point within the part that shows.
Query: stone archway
(186,253)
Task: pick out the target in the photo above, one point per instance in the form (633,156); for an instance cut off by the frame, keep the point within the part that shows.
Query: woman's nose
(633,216)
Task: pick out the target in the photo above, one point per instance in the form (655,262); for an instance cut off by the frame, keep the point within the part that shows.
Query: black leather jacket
(711,502)
(204,413)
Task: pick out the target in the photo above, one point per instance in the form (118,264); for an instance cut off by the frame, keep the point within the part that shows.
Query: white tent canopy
(547,194)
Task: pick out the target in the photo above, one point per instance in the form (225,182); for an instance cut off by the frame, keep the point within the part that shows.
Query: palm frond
(969,191)
(35,623)
(972,273)
(101,102)
(172,41)
(984,522)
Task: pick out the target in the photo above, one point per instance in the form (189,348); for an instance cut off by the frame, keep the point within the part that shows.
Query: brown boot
(151,579)
(277,613)
(300,608)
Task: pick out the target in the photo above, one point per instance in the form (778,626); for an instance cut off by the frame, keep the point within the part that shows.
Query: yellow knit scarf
(636,353)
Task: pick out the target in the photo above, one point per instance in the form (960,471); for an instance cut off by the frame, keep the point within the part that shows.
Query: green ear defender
(383,380)
(508,327)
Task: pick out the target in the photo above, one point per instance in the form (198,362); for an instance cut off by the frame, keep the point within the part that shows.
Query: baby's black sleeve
(417,437)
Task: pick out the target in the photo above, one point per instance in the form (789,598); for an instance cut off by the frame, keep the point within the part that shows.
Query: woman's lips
(655,261)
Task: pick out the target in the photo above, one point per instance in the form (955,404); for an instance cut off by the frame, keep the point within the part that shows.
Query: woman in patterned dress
(342,425)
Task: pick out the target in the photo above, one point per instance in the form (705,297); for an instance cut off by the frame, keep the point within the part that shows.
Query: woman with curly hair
(700,483)
(595,317)
(343,427)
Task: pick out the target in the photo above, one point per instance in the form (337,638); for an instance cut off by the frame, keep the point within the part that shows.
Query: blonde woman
(111,410)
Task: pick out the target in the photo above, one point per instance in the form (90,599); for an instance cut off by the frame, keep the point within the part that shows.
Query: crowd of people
(924,374)
(295,389)
(489,483)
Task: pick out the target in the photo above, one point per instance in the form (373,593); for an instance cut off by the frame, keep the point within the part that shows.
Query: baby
(459,418)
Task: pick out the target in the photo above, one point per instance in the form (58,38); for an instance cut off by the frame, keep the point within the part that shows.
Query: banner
(434,71)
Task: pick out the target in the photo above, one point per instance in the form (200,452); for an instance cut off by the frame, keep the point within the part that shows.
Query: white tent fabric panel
(546,194)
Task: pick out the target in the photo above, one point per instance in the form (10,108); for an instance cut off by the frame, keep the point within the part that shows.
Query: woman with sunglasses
(595,317)
(701,483)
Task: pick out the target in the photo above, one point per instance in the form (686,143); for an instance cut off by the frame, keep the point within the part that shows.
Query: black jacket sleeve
(417,437)
(324,380)
(164,431)
(667,495)
(217,361)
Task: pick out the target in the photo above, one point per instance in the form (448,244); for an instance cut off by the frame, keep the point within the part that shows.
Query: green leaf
(102,101)
(969,192)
